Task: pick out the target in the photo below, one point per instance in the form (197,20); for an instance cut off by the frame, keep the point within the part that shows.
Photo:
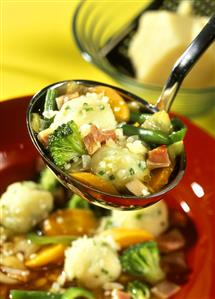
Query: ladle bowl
(95,196)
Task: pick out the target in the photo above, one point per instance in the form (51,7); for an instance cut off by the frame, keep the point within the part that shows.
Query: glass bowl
(96,22)
(95,196)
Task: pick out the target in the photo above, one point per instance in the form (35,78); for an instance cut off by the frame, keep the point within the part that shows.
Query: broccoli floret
(138,290)
(143,260)
(48,180)
(65,144)
(76,202)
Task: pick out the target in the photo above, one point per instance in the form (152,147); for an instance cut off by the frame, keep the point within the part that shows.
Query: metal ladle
(128,202)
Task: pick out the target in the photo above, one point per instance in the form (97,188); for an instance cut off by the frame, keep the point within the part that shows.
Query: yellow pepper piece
(95,181)
(48,255)
(128,236)
(73,222)
(117,103)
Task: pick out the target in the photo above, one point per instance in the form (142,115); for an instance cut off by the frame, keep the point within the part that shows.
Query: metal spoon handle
(184,64)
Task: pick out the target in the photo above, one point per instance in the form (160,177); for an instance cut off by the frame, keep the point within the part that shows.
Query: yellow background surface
(37,49)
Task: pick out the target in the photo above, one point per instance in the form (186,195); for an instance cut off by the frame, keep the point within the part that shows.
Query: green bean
(177,124)
(44,240)
(50,102)
(149,136)
(70,293)
(138,117)
(19,294)
(73,293)
(178,135)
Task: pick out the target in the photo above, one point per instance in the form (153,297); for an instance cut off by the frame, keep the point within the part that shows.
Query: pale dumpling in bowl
(92,261)
(119,164)
(154,219)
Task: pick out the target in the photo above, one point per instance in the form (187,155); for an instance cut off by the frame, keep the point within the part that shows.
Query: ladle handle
(184,64)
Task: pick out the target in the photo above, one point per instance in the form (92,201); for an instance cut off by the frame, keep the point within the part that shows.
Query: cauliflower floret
(24,205)
(119,165)
(92,261)
(136,147)
(154,219)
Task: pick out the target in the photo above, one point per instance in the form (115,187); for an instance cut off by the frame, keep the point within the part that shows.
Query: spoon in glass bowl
(185,63)
(100,196)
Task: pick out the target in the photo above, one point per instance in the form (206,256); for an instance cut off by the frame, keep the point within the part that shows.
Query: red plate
(194,195)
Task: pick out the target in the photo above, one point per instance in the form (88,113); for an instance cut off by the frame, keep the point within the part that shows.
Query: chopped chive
(131,171)
(138,216)
(101,172)
(101,107)
(87,108)
(159,212)
(105,271)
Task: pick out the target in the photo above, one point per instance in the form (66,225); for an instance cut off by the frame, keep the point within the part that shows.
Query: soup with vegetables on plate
(54,245)
(107,142)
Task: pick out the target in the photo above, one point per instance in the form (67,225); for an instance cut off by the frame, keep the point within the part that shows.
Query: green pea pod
(178,135)
(149,136)
(19,294)
(45,240)
(138,117)
(73,293)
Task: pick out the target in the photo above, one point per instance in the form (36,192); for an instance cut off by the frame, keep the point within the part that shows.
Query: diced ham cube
(96,137)
(91,144)
(175,266)
(118,294)
(171,241)
(165,289)
(175,259)
(137,188)
(43,136)
(158,157)
(102,136)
